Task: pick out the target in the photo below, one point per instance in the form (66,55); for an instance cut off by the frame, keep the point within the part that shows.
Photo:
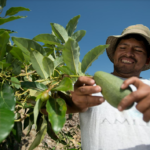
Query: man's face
(129,58)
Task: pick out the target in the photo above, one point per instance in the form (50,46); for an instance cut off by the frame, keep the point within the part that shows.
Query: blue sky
(100,19)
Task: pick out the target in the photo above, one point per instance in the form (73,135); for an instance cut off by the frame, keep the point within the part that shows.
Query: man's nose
(130,52)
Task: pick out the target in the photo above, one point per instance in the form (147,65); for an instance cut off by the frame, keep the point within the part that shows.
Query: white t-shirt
(103,127)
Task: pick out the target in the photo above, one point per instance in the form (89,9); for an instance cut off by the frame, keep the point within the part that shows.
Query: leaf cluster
(28,69)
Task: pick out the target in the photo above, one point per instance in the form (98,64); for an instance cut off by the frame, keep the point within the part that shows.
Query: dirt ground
(70,137)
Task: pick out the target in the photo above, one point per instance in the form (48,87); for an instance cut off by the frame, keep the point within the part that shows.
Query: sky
(100,19)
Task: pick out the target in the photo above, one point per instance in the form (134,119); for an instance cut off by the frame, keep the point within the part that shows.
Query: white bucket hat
(133,29)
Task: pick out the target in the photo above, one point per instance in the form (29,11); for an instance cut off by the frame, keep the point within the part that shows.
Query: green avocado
(44,96)
(111,88)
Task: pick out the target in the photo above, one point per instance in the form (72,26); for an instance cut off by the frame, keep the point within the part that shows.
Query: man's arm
(141,96)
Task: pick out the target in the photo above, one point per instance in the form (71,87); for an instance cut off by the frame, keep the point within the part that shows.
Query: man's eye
(122,47)
(137,50)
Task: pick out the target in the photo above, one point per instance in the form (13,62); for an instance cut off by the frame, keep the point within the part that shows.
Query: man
(103,127)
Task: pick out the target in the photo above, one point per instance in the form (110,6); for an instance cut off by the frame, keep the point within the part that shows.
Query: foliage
(28,69)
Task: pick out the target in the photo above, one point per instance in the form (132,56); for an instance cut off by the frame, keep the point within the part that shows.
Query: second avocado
(111,88)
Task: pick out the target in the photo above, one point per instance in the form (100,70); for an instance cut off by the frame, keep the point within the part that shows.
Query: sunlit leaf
(6,122)
(47,39)
(17,53)
(40,135)
(4,39)
(56,109)
(79,35)
(4,20)
(37,109)
(65,85)
(73,51)
(72,24)
(7,98)
(65,70)
(15,82)
(60,32)
(37,59)
(27,45)
(58,61)
(51,57)
(91,56)
(48,65)
(14,10)
(9,31)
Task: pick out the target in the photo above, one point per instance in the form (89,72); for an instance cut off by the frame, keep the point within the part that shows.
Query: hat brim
(112,40)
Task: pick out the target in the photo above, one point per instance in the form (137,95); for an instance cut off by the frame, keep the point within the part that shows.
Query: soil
(70,137)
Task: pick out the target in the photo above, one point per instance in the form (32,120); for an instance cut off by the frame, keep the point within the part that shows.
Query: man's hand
(82,95)
(141,96)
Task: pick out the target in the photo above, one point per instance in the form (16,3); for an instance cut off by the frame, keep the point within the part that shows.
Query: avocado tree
(36,77)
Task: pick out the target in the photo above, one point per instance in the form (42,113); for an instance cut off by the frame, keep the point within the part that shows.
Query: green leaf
(37,109)
(3,3)
(17,53)
(7,98)
(40,135)
(18,129)
(65,70)
(58,61)
(73,51)
(50,131)
(14,10)
(56,109)
(36,59)
(15,82)
(26,122)
(31,122)
(80,71)
(65,85)
(6,122)
(79,35)
(4,20)
(16,67)
(47,39)
(48,65)
(4,65)
(9,31)
(72,24)
(91,56)
(33,85)
(4,39)
(60,32)
(27,45)
(49,51)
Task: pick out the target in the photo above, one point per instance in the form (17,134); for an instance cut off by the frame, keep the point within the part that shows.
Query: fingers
(146,115)
(84,80)
(83,90)
(133,80)
(126,102)
(82,94)
(143,105)
(86,101)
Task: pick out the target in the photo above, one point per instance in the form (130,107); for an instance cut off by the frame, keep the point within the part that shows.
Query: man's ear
(148,60)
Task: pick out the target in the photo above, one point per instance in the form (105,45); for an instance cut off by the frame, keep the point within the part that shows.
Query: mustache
(128,57)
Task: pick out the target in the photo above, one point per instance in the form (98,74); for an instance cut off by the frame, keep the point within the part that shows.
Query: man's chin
(125,70)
